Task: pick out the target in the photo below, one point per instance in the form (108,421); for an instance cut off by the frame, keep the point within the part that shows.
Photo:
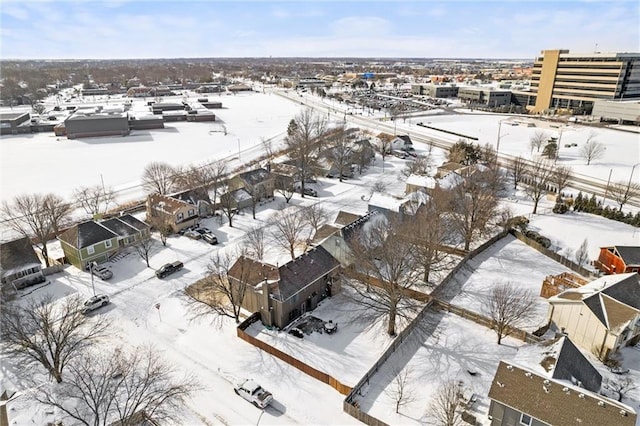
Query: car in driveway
(101,272)
(254,393)
(310,191)
(94,303)
(169,269)
(210,238)
(192,233)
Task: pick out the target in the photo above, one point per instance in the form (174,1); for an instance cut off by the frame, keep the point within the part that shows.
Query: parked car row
(200,233)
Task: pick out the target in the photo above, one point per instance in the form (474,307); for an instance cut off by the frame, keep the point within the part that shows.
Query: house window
(107,244)
(90,250)
(192,212)
(525,420)
(180,217)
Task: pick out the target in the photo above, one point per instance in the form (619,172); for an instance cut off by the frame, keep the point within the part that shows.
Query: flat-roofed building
(563,80)
(10,123)
(485,96)
(435,91)
(96,125)
(620,111)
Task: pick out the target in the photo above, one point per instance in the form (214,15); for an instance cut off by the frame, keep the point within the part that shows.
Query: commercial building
(98,124)
(434,91)
(563,80)
(485,96)
(14,123)
(620,111)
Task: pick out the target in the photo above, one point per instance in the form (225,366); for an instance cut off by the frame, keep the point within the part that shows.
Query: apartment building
(575,81)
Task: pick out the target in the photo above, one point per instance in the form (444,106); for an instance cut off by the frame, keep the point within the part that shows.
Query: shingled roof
(304,270)
(629,254)
(86,234)
(555,402)
(16,254)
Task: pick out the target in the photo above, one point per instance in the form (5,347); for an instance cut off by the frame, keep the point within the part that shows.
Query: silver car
(95,302)
(102,272)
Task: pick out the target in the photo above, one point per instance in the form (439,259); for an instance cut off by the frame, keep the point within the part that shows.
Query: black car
(169,269)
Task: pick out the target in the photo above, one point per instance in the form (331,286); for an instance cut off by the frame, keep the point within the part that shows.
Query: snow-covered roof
(387,202)
(450,181)
(422,181)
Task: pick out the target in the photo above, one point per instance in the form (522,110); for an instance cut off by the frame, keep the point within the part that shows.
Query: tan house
(420,183)
(601,316)
(259,183)
(176,213)
(282,294)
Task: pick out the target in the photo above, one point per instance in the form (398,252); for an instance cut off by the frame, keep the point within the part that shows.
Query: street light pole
(631,177)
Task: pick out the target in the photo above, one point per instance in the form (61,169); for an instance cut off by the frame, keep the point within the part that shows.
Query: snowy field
(508,260)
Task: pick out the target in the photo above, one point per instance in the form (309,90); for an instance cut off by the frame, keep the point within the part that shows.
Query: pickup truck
(254,393)
(169,269)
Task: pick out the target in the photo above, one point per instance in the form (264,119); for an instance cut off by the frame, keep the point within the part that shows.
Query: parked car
(169,269)
(190,233)
(203,231)
(296,332)
(310,191)
(95,302)
(254,393)
(210,238)
(102,272)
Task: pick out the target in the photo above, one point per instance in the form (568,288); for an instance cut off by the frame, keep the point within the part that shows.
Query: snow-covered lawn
(508,260)
(568,231)
(444,347)
(346,354)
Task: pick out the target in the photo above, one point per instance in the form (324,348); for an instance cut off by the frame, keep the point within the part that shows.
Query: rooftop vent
(565,389)
(527,374)
(500,384)
(546,389)
(581,396)
(510,367)
(623,413)
(601,403)
(546,382)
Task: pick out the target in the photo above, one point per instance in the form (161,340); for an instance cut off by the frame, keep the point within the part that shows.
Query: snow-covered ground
(509,260)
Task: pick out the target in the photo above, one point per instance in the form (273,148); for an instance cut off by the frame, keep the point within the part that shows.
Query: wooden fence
(305,368)
(553,255)
(53,269)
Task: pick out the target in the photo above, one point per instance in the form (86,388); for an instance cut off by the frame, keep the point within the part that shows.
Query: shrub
(560,208)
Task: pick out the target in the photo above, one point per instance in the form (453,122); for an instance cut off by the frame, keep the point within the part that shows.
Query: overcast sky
(451,29)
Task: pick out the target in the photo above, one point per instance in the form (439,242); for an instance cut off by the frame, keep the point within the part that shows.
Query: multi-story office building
(563,80)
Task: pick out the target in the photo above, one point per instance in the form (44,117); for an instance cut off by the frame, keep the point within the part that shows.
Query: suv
(101,272)
(210,238)
(95,302)
(169,269)
(310,191)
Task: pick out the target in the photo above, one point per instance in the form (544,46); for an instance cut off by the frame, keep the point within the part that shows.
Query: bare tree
(621,386)
(255,242)
(48,333)
(217,174)
(622,192)
(228,203)
(517,170)
(592,149)
(384,146)
(384,268)
(431,233)
(215,296)
(508,307)
(94,199)
(159,178)
(316,216)
(475,202)
(303,139)
(489,155)
(445,406)
(341,152)
(119,387)
(144,249)
(285,186)
(289,230)
(421,165)
(537,140)
(582,254)
(36,215)
(560,177)
(162,225)
(401,390)
(538,177)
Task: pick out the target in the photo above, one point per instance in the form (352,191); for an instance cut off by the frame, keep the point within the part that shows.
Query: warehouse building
(623,112)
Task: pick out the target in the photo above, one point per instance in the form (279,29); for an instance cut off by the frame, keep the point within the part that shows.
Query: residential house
(176,213)
(281,294)
(198,197)
(237,199)
(402,142)
(420,183)
(259,183)
(19,264)
(618,259)
(284,175)
(601,316)
(525,397)
(88,242)
(129,229)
